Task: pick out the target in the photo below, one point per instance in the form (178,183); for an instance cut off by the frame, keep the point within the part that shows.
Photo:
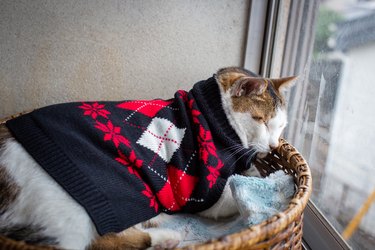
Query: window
(331,45)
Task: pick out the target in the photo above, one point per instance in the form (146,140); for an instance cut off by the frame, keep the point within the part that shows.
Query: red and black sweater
(127,161)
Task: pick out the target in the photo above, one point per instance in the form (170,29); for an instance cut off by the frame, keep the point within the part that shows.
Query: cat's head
(255,106)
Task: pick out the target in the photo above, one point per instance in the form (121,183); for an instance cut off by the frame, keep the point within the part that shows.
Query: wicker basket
(282,231)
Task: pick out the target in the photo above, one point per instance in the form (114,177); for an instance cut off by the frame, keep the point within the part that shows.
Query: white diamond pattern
(162,137)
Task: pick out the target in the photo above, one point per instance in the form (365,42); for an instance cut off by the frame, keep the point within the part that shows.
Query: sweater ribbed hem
(64,171)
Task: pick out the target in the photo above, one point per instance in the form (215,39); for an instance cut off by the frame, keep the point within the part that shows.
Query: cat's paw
(163,238)
(169,244)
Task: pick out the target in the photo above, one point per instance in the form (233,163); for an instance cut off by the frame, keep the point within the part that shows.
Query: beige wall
(57,51)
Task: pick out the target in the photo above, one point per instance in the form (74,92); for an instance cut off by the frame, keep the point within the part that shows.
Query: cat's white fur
(261,137)
(42,202)
(224,207)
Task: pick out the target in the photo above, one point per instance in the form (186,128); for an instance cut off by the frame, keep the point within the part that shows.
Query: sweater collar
(208,97)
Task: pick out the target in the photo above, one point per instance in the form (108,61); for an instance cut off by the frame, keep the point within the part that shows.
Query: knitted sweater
(127,161)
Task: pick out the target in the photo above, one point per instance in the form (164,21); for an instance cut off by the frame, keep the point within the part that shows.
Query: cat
(34,208)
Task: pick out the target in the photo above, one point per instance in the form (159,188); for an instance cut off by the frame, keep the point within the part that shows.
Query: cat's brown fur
(130,238)
(227,76)
(4,134)
(260,106)
(258,96)
(8,188)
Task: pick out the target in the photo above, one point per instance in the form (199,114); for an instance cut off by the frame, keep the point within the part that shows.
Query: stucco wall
(56,51)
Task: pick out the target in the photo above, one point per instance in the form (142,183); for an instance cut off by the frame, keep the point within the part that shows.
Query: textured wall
(57,51)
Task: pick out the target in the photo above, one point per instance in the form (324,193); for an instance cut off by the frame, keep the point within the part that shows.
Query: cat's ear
(285,83)
(248,86)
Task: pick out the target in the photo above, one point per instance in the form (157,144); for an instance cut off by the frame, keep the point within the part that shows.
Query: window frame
(279,50)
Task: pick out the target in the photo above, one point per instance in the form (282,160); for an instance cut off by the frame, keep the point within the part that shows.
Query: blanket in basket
(127,161)
(257,200)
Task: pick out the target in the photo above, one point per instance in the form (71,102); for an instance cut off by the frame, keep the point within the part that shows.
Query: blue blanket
(257,199)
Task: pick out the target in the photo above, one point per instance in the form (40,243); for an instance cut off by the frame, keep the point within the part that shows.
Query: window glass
(332,118)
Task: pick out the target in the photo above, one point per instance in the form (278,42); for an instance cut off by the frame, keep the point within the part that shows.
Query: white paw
(163,238)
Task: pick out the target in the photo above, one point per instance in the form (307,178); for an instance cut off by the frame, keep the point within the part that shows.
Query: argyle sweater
(127,161)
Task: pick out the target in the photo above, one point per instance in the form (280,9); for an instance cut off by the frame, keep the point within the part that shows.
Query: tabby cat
(36,209)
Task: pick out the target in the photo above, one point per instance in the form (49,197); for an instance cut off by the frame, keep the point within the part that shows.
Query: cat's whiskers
(252,153)
(233,151)
(230,148)
(259,147)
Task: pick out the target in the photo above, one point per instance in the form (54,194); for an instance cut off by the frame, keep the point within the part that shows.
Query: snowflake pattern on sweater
(127,161)
(163,138)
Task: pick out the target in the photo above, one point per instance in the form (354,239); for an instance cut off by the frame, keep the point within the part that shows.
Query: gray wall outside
(58,51)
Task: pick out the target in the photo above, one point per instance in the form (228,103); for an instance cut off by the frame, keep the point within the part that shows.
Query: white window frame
(275,48)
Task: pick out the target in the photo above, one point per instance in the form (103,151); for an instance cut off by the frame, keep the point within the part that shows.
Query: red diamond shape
(148,108)
(178,190)
(167,199)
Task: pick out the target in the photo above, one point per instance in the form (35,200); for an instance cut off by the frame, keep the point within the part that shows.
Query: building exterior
(345,117)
